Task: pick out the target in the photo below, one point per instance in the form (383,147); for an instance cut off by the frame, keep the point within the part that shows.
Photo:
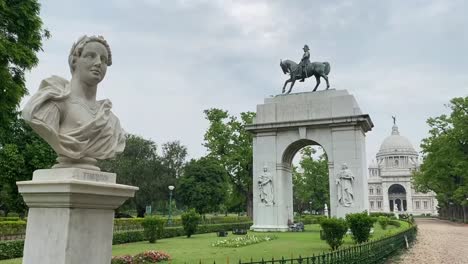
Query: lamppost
(169,220)
(310,206)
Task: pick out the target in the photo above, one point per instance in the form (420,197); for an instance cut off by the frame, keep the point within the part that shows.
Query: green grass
(198,247)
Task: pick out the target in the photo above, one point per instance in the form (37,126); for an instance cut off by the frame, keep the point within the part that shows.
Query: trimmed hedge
(11,249)
(382,214)
(124,224)
(168,232)
(13,218)
(8,228)
(310,219)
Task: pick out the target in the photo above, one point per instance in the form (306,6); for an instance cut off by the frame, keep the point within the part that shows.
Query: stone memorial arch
(286,123)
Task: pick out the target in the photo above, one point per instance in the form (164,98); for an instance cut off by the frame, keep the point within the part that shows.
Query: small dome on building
(396,144)
(373,165)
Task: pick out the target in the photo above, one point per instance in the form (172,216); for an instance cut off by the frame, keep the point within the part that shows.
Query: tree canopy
(21,36)
(203,185)
(445,156)
(311,181)
(139,165)
(22,152)
(228,142)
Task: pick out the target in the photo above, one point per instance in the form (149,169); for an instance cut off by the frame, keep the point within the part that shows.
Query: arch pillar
(286,123)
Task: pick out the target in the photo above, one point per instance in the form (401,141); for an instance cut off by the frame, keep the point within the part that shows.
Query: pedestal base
(267,228)
(71,213)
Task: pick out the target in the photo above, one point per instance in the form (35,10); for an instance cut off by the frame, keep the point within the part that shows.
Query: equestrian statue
(305,69)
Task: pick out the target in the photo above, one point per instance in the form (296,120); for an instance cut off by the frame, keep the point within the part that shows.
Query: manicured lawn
(198,247)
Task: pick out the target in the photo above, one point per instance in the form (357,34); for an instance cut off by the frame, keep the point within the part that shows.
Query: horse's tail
(327,67)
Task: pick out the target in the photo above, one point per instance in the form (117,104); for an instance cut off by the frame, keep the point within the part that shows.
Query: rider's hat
(306,47)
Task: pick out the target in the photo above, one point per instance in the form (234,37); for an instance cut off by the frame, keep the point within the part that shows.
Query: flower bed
(150,256)
(243,241)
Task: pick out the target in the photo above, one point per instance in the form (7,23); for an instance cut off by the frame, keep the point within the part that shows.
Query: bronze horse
(317,69)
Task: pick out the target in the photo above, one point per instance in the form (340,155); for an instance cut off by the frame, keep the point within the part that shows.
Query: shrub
(153,227)
(383,222)
(127,259)
(150,256)
(334,230)
(11,249)
(360,225)
(190,221)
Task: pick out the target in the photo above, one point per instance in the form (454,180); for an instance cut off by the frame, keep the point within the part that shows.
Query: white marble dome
(395,144)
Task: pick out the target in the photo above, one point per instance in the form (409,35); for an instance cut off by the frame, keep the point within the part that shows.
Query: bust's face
(91,66)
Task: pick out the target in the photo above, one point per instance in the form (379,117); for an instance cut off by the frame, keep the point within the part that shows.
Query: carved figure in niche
(68,117)
(265,185)
(344,184)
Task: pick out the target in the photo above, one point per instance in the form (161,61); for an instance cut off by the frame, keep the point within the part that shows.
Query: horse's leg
(326,79)
(292,84)
(317,78)
(284,86)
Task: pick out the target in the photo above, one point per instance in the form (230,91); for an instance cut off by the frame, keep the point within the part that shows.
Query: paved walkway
(438,242)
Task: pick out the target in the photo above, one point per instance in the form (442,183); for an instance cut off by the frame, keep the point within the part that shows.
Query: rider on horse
(304,62)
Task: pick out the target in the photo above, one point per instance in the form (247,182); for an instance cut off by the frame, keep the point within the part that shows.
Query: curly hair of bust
(79,45)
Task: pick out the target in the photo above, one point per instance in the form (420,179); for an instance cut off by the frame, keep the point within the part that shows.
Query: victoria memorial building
(390,175)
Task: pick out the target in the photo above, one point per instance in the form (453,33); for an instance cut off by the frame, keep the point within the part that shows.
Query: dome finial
(395,128)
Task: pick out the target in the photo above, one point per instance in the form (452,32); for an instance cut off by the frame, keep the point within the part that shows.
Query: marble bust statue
(67,115)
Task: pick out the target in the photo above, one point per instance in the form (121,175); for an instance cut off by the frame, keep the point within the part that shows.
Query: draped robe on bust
(100,138)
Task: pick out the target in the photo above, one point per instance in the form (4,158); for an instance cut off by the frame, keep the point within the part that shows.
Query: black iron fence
(366,253)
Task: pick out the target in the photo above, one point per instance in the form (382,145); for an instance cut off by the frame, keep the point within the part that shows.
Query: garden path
(438,241)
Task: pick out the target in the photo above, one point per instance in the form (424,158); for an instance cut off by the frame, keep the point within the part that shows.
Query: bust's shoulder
(54,82)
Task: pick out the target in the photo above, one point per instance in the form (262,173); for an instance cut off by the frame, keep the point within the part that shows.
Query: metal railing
(370,252)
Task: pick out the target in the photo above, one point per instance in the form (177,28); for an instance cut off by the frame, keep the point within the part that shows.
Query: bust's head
(89,58)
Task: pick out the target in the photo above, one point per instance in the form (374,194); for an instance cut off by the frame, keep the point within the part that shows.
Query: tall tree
(203,185)
(21,153)
(21,35)
(311,181)
(174,155)
(139,165)
(227,141)
(445,156)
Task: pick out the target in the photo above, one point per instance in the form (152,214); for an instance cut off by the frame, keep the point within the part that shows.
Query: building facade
(389,179)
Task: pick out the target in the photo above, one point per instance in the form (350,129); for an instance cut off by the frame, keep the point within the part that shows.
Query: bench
(237,231)
(296,227)
(222,233)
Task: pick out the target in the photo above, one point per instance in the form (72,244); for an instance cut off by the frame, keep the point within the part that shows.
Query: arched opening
(309,170)
(397,198)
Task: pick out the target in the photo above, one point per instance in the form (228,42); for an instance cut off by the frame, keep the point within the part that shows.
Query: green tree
(21,36)
(311,181)
(445,155)
(227,141)
(203,185)
(174,157)
(21,153)
(139,165)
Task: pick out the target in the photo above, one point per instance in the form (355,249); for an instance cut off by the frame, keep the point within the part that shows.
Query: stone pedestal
(71,213)
(286,123)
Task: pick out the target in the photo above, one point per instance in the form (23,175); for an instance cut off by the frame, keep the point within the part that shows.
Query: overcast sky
(173,59)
